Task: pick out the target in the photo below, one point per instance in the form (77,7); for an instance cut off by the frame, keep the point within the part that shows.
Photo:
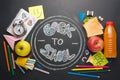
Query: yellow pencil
(79,69)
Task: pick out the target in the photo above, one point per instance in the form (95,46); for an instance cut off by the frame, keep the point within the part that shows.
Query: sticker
(84,59)
(30,22)
(37,11)
(87,52)
(48,30)
(23,15)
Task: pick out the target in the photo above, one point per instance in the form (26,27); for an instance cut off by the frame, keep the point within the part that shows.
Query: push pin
(90,13)
(100,18)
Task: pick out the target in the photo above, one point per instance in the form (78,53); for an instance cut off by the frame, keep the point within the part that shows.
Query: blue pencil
(86,75)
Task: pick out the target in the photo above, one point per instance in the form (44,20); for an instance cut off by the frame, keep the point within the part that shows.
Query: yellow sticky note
(37,11)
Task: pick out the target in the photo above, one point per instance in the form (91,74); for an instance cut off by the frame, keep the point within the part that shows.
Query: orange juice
(110,49)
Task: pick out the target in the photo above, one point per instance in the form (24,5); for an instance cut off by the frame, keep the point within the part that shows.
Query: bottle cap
(109,23)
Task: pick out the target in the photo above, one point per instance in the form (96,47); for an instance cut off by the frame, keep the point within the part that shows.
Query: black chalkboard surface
(58,43)
(72,41)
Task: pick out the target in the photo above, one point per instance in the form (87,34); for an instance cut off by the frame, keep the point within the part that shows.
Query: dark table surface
(108,9)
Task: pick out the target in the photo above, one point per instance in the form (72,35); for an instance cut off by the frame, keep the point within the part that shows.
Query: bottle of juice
(110,48)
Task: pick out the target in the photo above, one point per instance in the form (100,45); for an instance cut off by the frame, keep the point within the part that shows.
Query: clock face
(58,42)
(19,30)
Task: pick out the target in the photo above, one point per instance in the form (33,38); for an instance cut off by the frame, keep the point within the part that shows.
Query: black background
(108,9)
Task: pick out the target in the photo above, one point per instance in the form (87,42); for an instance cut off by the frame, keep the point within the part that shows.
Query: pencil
(6,56)
(43,71)
(89,66)
(79,69)
(10,60)
(95,71)
(86,75)
(21,69)
(13,61)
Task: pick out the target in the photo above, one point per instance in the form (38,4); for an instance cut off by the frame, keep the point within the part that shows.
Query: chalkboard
(58,42)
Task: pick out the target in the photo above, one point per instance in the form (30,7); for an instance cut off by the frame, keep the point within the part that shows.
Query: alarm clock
(19,28)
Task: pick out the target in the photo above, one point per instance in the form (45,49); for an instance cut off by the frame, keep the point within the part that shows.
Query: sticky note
(11,40)
(98,59)
(37,11)
(81,16)
(93,27)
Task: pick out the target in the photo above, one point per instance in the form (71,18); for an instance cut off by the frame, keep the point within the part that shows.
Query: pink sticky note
(11,40)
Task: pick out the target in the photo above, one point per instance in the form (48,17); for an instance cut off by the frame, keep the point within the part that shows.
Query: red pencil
(6,56)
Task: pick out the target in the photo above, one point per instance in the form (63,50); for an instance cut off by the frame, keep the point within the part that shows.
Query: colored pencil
(10,60)
(13,61)
(6,56)
(43,71)
(86,75)
(79,69)
(21,69)
(89,66)
(95,71)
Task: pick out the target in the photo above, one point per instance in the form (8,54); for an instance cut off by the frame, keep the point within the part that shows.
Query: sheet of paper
(37,11)
(27,18)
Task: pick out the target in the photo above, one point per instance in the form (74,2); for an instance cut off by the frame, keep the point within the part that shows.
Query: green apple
(22,48)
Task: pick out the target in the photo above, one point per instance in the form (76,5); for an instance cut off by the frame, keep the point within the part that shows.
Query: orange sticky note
(93,27)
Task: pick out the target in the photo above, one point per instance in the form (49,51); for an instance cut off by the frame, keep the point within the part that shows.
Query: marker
(79,69)
(86,75)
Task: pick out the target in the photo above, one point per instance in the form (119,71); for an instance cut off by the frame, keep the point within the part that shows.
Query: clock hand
(19,30)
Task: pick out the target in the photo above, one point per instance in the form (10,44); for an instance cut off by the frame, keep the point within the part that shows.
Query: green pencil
(95,71)
(10,60)
(28,38)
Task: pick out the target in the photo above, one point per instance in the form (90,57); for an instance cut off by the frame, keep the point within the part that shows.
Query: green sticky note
(98,59)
